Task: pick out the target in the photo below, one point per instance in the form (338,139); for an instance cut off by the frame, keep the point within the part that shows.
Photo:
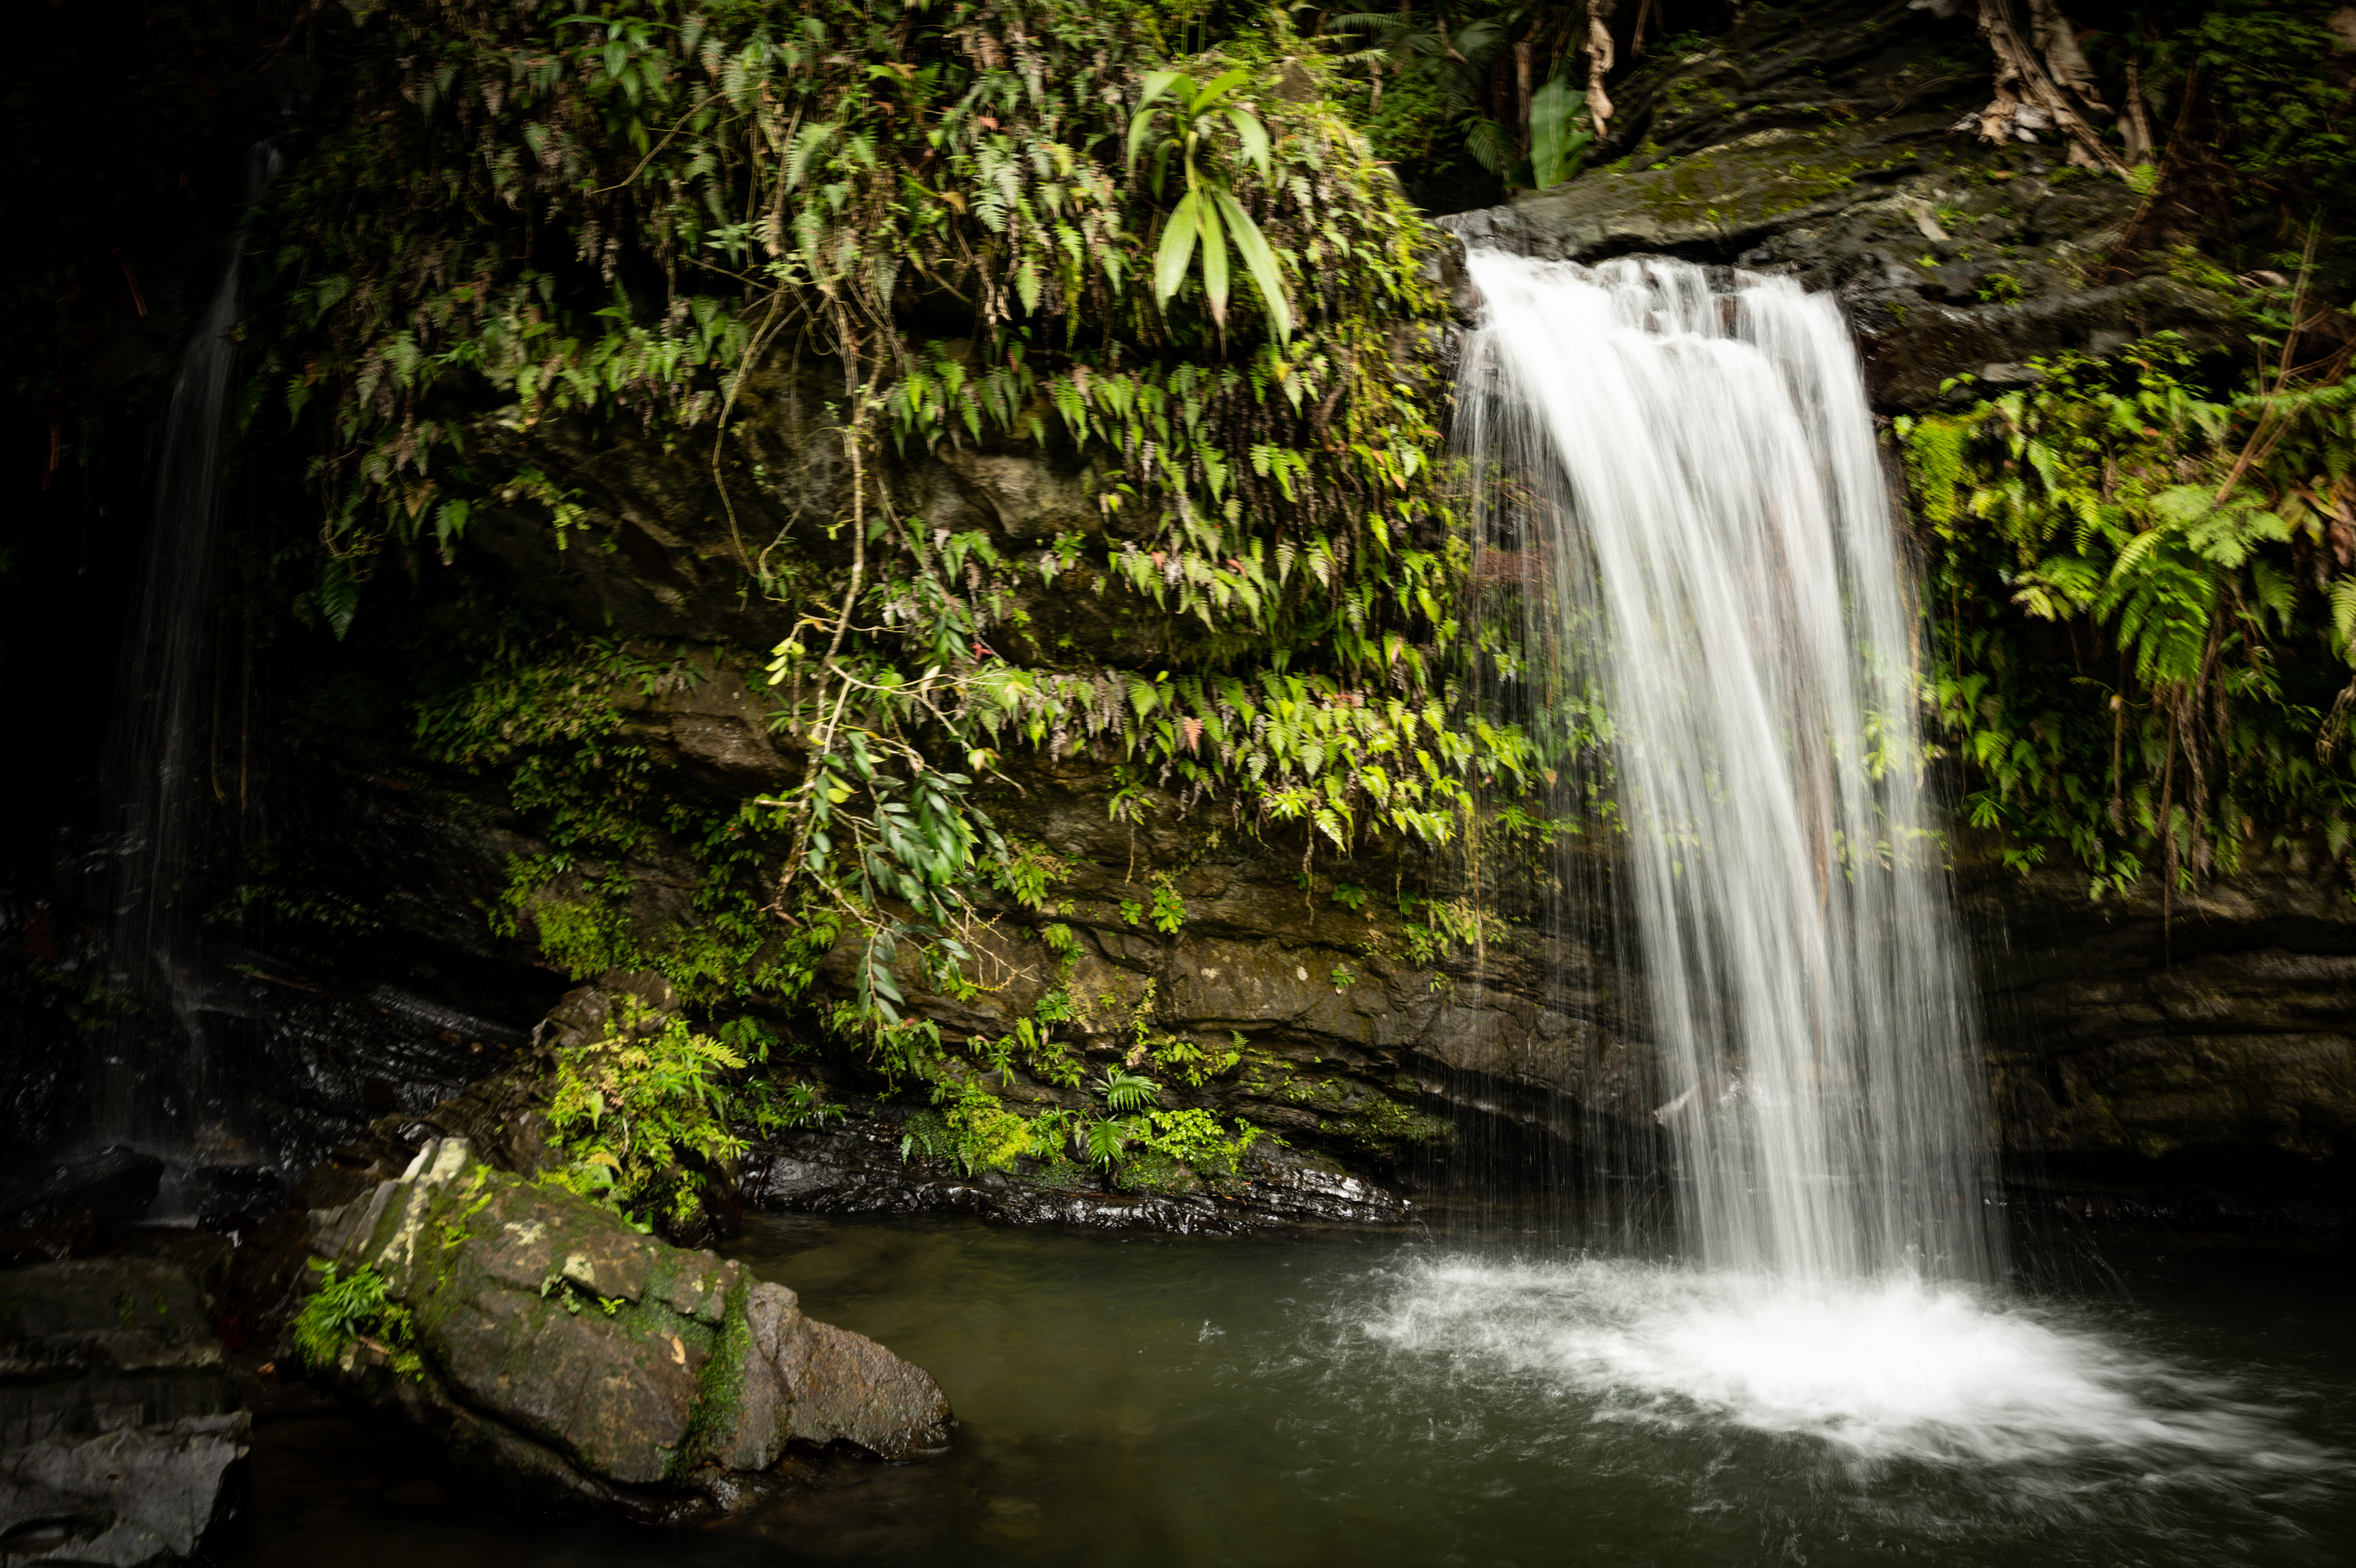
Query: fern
(1126,1091)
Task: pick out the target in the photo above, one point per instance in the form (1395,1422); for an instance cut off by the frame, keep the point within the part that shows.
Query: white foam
(1893,1370)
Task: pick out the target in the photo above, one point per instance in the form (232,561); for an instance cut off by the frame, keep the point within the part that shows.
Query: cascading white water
(1686,467)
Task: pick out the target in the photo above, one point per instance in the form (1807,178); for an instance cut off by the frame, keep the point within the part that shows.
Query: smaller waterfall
(156,769)
(1688,473)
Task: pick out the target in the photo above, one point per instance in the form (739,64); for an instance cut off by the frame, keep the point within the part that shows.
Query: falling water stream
(157,768)
(1690,471)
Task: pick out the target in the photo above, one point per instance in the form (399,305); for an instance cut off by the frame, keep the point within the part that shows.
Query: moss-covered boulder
(563,1356)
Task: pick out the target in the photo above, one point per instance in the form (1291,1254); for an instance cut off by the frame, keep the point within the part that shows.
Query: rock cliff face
(2206,1047)
(2210,1046)
(1817,141)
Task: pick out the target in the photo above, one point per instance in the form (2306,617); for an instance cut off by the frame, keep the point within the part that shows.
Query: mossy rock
(580,1359)
(1153,1171)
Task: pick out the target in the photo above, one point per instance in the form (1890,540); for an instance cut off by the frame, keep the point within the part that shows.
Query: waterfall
(1684,468)
(157,769)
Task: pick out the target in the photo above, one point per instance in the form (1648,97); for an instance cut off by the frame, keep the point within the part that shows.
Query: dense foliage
(1157,245)
(651,1113)
(2251,97)
(987,224)
(2192,552)
(344,1310)
(2138,577)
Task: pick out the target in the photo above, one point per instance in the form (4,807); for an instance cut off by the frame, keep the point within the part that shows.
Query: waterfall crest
(1686,466)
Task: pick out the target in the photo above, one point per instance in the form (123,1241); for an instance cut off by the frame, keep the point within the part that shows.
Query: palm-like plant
(1127,1091)
(1182,121)
(1457,60)
(1106,1140)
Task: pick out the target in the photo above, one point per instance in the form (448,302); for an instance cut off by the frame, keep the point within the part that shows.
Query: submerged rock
(118,1441)
(564,1357)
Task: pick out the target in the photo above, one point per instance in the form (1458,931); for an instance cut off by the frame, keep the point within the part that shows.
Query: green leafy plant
(347,1309)
(1190,1063)
(1185,130)
(1168,909)
(1107,1138)
(1557,140)
(955,209)
(974,1131)
(1126,1091)
(1196,1137)
(648,1115)
(2194,555)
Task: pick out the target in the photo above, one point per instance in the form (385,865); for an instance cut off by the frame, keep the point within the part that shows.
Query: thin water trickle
(1684,468)
(156,772)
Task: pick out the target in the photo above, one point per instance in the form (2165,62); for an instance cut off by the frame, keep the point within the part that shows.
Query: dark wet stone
(858,1169)
(132,1498)
(234,1198)
(119,1442)
(115,1184)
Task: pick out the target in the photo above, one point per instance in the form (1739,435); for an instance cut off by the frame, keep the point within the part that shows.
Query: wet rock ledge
(1821,141)
(120,1442)
(860,1169)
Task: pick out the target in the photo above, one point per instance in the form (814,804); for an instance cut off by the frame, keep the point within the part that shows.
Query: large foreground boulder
(119,1444)
(564,1358)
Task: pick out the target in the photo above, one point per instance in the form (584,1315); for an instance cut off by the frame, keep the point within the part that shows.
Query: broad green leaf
(1177,248)
(1207,97)
(1260,261)
(1140,126)
(1555,139)
(1255,138)
(1215,256)
(1158,82)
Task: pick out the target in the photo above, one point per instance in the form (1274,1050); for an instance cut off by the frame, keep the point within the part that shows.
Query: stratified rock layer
(119,1445)
(2207,1041)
